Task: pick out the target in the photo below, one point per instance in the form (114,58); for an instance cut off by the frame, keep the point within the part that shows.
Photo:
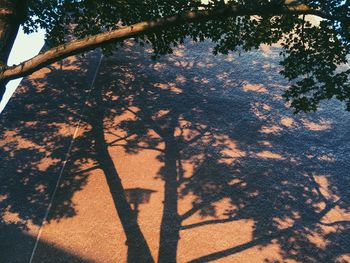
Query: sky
(25,47)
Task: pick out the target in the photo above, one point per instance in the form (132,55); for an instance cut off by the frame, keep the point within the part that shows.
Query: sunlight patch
(314,126)
(254,87)
(270,155)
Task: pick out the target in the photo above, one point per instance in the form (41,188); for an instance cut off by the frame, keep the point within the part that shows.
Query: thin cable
(64,163)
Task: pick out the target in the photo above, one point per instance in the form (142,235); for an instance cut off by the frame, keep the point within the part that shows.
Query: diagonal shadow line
(67,156)
(209,222)
(259,241)
(138,249)
(90,169)
(268,238)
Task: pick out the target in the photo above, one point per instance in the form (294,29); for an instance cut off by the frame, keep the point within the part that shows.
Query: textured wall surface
(251,181)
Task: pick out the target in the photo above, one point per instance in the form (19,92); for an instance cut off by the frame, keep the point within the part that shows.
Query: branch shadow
(223,134)
(230,154)
(37,129)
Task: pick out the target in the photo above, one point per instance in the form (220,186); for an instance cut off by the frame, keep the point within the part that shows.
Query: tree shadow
(230,154)
(226,136)
(17,239)
(37,130)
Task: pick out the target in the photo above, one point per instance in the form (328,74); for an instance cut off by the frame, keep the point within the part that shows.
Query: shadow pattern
(229,149)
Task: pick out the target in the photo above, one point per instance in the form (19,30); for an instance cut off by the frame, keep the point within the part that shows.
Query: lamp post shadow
(137,196)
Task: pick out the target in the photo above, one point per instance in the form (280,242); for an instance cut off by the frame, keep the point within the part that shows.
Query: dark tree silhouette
(232,25)
(191,121)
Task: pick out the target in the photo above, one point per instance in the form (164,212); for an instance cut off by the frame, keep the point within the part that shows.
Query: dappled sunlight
(39,75)
(337,215)
(316,126)
(191,153)
(39,125)
(230,151)
(260,110)
(266,49)
(180,78)
(159,66)
(287,122)
(327,158)
(273,129)
(324,186)
(230,57)
(179,51)
(44,164)
(277,97)
(211,159)
(168,86)
(223,76)
(12,218)
(202,80)
(184,64)
(269,155)
(12,138)
(69,63)
(266,143)
(254,87)
(286,222)
(205,64)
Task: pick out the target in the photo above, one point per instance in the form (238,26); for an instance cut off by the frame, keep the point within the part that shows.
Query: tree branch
(91,42)
(300,224)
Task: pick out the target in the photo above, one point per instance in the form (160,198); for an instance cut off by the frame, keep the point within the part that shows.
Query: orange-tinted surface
(253,182)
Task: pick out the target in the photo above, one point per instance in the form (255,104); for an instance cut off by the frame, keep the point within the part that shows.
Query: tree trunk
(9,25)
(170,226)
(2,89)
(138,250)
(11,15)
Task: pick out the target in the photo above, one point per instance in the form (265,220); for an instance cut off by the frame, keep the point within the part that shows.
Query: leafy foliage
(312,55)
